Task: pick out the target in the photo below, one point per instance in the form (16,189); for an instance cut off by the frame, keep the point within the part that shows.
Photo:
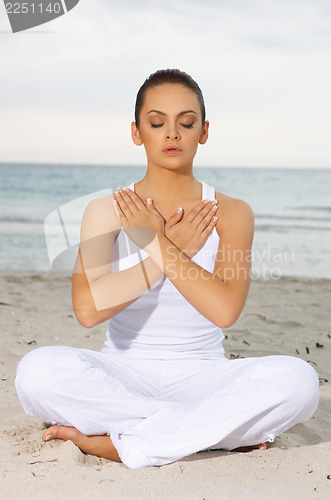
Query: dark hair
(168,76)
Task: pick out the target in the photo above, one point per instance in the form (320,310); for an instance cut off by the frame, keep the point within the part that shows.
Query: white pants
(158,411)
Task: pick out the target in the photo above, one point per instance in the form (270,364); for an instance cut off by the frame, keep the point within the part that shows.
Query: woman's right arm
(98,294)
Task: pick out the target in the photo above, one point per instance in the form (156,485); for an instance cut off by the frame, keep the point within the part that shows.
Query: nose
(172,133)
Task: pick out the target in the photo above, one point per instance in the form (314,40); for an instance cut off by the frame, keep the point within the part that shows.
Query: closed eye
(161,124)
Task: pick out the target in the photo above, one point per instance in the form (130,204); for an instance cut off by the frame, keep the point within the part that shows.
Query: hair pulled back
(162,76)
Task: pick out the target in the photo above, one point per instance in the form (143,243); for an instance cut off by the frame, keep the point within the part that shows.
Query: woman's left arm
(219,296)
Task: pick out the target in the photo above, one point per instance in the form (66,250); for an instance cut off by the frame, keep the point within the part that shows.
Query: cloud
(262,65)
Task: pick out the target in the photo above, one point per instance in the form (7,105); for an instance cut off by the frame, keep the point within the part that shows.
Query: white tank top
(161,323)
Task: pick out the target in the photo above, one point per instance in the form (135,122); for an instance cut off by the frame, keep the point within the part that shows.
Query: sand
(285,316)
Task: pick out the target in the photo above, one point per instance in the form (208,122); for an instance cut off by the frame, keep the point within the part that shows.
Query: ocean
(42,205)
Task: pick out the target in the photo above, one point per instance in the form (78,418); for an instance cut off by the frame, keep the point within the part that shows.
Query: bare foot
(100,446)
(63,433)
(261,446)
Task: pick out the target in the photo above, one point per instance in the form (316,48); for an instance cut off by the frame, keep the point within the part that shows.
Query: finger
(122,205)
(116,208)
(205,219)
(133,201)
(201,211)
(134,198)
(175,218)
(150,205)
(152,208)
(118,211)
(124,202)
(213,210)
(203,206)
(119,202)
(208,229)
(210,210)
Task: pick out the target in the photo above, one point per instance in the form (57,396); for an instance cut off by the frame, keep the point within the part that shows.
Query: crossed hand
(143,222)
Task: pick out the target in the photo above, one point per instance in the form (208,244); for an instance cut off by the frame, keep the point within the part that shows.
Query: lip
(171,149)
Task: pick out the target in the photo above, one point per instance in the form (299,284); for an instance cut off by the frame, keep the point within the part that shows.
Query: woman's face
(170,116)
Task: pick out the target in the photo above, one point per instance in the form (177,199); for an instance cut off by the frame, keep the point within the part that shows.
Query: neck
(169,187)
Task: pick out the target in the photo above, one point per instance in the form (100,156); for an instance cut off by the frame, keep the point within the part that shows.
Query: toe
(62,433)
(50,433)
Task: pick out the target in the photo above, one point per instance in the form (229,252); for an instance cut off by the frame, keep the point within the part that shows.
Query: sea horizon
(292,210)
(115,165)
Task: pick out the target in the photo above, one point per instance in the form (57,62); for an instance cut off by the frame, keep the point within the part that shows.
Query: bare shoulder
(233,213)
(101,203)
(100,217)
(233,207)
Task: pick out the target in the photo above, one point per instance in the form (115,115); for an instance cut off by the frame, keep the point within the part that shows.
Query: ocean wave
(291,217)
(313,208)
(20,219)
(290,227)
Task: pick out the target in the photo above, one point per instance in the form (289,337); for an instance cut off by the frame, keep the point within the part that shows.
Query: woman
(168,274)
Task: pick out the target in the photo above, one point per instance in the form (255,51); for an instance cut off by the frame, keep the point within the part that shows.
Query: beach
(287,316)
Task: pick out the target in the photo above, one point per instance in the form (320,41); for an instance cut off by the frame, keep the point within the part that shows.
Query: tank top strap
(208,192)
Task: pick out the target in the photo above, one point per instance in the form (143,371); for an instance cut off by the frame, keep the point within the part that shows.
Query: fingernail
(214,202)
(205,201)
(214,208)
(215,219)
(179,210)
(119,189)
(149,201)
(115,202)
(47,438)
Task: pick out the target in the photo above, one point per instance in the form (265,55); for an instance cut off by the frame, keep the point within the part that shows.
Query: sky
(68,87)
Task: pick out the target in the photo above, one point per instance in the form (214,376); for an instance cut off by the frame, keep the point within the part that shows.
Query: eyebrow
(165,114)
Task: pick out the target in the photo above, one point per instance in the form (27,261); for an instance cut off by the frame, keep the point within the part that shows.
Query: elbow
(87,323)
(83,307)
(228,320)
(226,324)
(85,320)
(82,301)
(231,311)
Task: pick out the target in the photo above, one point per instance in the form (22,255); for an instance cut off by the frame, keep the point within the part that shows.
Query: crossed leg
(58,385)
(100,446)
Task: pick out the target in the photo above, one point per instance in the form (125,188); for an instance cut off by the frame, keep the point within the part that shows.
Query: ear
(204,133)
(135,134)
